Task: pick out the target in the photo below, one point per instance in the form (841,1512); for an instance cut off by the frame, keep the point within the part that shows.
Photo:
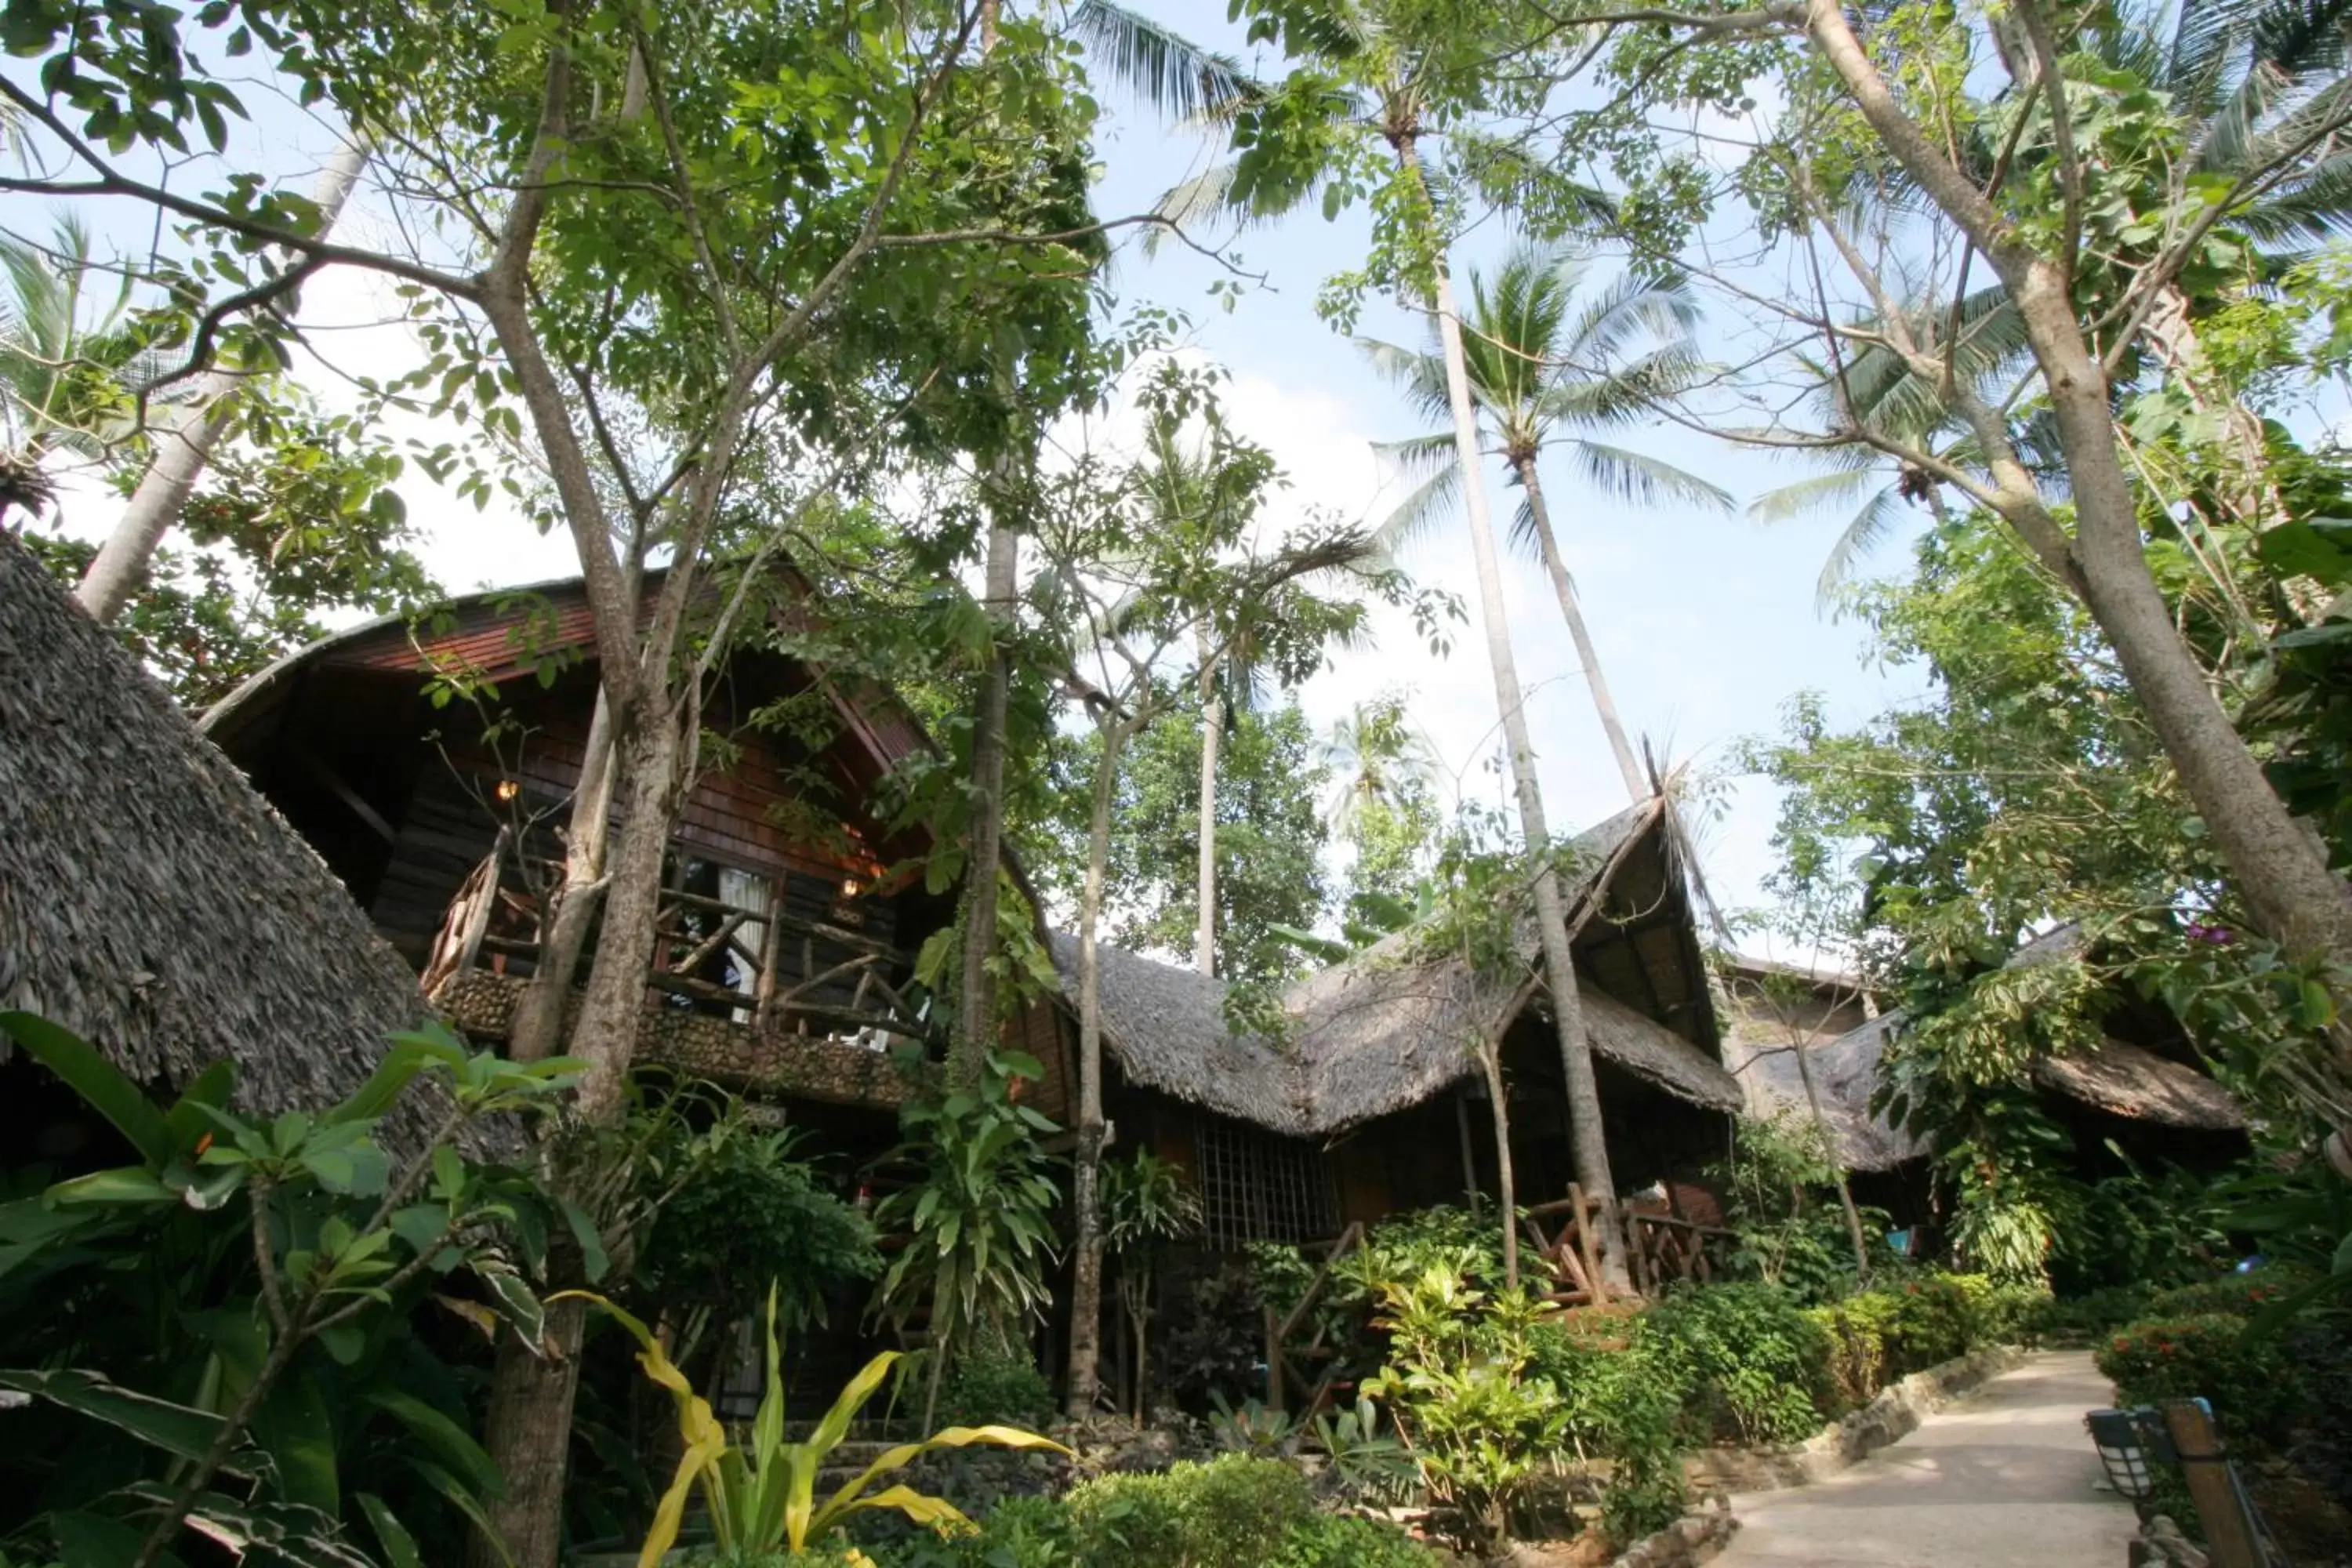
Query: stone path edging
(1892,1416)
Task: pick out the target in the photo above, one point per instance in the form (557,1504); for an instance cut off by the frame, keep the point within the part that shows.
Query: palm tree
(60,376)
(1376,754)
(1364,86)
(1542,363)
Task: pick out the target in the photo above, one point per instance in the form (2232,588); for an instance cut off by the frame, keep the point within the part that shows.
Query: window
(1257,1186)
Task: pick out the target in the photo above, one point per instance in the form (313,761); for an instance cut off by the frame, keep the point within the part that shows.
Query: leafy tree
(2086,192)
(1270,840)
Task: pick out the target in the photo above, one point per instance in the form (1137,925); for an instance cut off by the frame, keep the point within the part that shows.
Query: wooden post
(772,950)
(1580,1211)
(1469,1162)
(2230,1538)
(1273,1362)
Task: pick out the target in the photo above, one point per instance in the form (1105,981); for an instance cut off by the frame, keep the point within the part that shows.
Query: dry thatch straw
(1375,1035)
(150,899)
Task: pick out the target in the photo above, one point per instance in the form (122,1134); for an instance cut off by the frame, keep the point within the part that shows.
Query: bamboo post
(1580,1211)
(2230,1537)
(1469,1162)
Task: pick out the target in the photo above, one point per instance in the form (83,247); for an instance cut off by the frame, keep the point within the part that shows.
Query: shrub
(1233,1512)
(1332,1541)
(1858,1329)
(1459,1385)
(2235,1295)
(992,1384)
(2255,1392)
(1625,1406)
(1749,1361)
(2078,1318)
(1019,1533)
(1943,1316)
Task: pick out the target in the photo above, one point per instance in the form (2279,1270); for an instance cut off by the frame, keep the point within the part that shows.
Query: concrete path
(2001,1479)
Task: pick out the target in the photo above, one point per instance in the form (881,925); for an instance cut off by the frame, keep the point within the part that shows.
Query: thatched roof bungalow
(1372,1097)
(2143,1086)
(150,901)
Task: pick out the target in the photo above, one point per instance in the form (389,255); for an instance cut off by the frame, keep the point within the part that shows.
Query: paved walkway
(2000,1479)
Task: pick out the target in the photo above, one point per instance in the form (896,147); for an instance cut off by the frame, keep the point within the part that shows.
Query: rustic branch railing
(775,956)
(1279,1329)
(1663,1249)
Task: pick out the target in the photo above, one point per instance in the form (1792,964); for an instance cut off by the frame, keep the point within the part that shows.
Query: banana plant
(762,1498)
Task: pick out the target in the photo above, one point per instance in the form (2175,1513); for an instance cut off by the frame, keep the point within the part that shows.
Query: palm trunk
(183,453)
(1213,727)
(1637,784)
(1490,1059)
(1086,1281)
(1590,1153)
(976,1009)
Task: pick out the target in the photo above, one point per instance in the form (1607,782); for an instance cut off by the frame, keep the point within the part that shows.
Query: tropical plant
(255,1276)
(1542,363)
(1252,1427)
(1460,1384)
(1366,1464)
(978,1215)
(1747,1358)
(761,1498)
(62,364)
(1147,1202)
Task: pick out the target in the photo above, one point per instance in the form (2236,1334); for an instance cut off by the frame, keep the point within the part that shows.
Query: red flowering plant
(2253,1392)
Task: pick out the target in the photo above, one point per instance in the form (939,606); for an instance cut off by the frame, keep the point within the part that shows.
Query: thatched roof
(2116,1077)
(149,900)
(1374,1034)
(2125,1080)
(1844,1072)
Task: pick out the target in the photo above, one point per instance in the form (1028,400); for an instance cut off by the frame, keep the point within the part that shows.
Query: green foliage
(1781,1195)
(760,1498)
(1270,838)
(1625,1405)
(1750,1362)
(1462,1387)
(979,1214)
(2254,1387)
(998,1383)
(245,1301)
(747,1217)
(1230,1512)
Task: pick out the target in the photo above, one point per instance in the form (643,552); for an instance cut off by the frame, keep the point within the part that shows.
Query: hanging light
(849,887)
(508,789)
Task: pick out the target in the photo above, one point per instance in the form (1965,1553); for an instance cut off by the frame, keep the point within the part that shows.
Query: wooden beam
(2230,1535)
(316,765)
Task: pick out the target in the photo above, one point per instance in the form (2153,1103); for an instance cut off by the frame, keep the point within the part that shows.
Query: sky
(1705,624)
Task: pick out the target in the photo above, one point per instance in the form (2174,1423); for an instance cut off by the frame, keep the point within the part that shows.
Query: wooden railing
(1661,1248)
(1278,1370)
(781,961)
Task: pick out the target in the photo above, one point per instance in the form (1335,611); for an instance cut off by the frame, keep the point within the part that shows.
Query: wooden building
(1373,1100)
(435,765)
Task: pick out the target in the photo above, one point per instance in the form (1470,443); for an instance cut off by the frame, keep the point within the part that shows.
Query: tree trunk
(1212,729)
(1844,1188)
(537,1030)
(1590,1153)
(1086,1274)
(976,1009)
(612,1008)
(529,1435)
(1490,1059)
(183,452)
(1637,783)
(2277,864)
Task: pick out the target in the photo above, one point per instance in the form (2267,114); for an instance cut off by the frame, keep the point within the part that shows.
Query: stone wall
(754,1061)
(1688,1542)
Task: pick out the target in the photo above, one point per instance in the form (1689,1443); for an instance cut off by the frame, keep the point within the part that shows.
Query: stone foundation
(2161,1545)
(754,1061)
(1893,1416)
